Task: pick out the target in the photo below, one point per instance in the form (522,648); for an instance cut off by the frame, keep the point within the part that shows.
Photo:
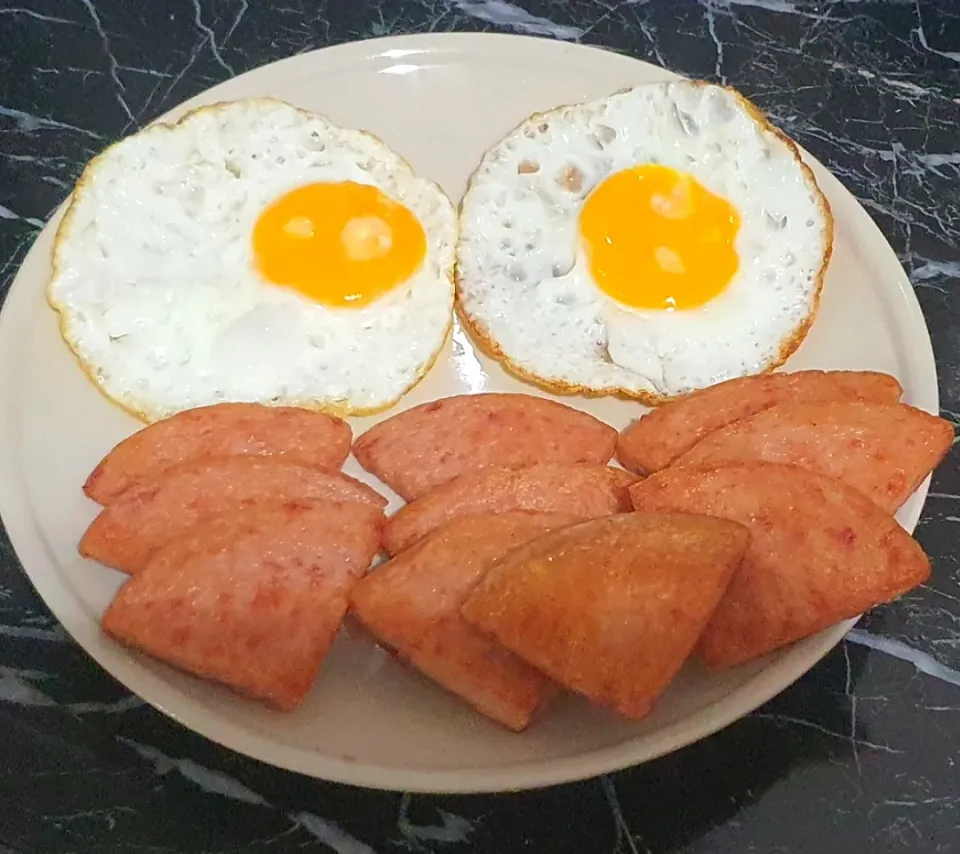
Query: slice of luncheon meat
(884,450)
(657,438)
(416,450)
(224,429)
(819,552)
(412,604)
(580,490)
(251,599)
(610,608)
(133,527)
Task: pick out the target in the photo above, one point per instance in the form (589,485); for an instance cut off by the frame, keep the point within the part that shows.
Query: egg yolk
(340,244)
(656,238)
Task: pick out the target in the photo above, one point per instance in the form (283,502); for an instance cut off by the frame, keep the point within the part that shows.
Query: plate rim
(28,541)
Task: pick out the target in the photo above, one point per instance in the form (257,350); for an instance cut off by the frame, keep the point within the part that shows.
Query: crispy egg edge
(149,416)
(488,344)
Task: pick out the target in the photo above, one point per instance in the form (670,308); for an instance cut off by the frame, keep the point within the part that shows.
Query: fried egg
(645,244)
(254,252)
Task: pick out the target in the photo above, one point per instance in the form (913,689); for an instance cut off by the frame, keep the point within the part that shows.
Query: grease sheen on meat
(611,608)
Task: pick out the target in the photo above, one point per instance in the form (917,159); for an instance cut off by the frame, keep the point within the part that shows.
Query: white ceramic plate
(439,101)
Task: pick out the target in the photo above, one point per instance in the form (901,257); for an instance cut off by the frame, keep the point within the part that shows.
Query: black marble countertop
(860,756)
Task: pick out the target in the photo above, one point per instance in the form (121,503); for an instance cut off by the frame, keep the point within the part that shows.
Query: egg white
(523,285)
(157,288)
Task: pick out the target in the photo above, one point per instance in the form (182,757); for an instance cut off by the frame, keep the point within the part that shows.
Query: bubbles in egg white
(160,297)
(523,282)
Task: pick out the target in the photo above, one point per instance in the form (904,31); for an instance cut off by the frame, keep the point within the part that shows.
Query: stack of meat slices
(242,539)
(745,517)
(484,476)
(766,517)
(815,464)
